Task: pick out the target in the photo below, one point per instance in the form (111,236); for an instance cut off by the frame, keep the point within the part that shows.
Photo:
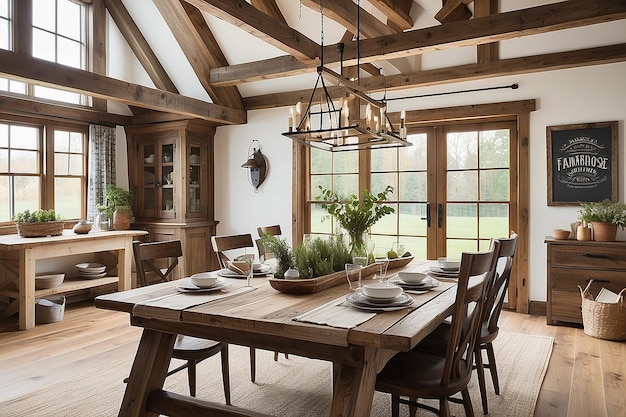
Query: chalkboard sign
(582,163)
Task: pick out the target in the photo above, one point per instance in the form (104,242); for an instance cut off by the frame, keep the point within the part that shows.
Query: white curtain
(101,163)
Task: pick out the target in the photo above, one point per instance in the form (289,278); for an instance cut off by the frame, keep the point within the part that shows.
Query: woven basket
(603,320)
(39,229)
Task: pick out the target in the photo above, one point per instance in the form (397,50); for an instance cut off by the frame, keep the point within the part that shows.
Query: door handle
(427,218)
(439,215)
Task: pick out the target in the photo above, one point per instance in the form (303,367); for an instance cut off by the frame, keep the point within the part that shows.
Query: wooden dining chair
(225,243)
(491,314)
(159,260)
(273,230)
(412,375)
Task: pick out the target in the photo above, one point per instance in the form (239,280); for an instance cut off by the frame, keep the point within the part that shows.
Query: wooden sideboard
(572,263)
(20,255)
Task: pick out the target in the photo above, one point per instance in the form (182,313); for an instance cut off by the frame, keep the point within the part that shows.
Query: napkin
(335,314)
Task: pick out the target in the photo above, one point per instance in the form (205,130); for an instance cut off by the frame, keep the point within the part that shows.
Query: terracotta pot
(604,232)
(122,218)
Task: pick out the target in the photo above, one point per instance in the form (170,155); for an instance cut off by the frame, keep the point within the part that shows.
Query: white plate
(361,299)
(376,308)
(91,267)
(92,276)
(185,285)
(428,283)
(436,271)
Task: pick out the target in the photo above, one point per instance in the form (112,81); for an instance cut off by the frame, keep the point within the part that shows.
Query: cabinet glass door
(147,198)
(195,179)
(167,172)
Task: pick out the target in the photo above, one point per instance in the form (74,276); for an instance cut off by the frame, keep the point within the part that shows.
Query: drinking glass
(249,258)
(382,264)
(351,270)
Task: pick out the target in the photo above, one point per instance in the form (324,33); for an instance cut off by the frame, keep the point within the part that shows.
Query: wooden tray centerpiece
(313,285)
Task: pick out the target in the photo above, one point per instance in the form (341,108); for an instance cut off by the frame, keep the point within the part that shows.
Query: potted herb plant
(356,215)
(605,217)
(118,208)
(38,223)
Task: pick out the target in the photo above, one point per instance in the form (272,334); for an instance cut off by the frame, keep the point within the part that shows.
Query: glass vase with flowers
(356,215)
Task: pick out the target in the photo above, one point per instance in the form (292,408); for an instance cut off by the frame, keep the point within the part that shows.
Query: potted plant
(356,216)
(605,217)
(38,223)
(117,208)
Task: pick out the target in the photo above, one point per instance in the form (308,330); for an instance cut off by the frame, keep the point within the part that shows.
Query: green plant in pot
(605,217)
(118,207)
(356,215)
(38,223)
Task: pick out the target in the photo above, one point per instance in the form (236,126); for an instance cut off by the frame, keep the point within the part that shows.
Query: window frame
(46,159)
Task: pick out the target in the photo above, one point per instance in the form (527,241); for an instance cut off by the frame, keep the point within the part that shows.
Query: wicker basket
(39,229)
(603,320)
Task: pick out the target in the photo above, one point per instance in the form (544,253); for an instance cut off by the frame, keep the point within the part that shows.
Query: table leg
(353,391)
(26,288)
(148,372)
(124,262)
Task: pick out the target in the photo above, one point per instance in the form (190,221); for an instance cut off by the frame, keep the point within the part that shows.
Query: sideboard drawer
(589,257)
(568,279)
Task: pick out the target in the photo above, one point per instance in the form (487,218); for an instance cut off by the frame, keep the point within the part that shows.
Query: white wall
(590,94)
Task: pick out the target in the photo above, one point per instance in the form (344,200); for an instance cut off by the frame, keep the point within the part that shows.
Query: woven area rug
(297,387)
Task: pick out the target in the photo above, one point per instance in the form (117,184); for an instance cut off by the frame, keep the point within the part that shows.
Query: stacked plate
(359,300)
(427,284)
(91,270)
(185,285)
(444,273)
(261,272)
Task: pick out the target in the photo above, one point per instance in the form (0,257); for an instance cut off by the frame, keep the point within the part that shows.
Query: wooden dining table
(261,317)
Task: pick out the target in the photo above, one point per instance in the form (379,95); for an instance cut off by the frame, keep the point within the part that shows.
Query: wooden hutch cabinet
(171,177)
(572,263)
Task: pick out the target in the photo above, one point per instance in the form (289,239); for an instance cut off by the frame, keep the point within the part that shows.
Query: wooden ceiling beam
(31,107)
(270,8)
(398,12)
(470,72)
(245,16)
(489,51)
(509,25)
(345,12)
(139,46)
(199,46)
(454,11)
(54,75)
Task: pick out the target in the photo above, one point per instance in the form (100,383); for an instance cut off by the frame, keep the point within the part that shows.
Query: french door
(453,189)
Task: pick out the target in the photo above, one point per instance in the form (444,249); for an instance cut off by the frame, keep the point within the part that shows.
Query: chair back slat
(273,230)
(225,243)
(161,258)
(475,272)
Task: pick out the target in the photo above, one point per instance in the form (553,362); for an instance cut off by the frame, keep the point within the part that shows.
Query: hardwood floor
(586,376)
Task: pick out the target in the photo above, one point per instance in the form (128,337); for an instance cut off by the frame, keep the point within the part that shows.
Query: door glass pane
(381,181)
(494,148)
(385,160)
(461,221)
(346,162)
(462,186)
(413,158)
(412,186)
(494,185)
(462,150)
(494,220)
(346,185)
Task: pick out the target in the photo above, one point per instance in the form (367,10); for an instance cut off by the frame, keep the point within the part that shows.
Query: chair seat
(194,348)
(418,374)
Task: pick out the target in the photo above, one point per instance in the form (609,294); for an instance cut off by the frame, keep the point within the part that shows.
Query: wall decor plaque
(582,163)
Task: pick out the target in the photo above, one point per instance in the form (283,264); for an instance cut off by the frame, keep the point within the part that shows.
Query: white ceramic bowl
(149,159)
(449,264)
(204,279)
(48,280)
(381,290)
(411,277)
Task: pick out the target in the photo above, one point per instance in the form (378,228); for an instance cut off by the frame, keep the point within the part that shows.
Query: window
(24,169)
(59,36)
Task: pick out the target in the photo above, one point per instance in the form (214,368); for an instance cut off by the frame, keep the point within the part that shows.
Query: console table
(20,254)
(572,263)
